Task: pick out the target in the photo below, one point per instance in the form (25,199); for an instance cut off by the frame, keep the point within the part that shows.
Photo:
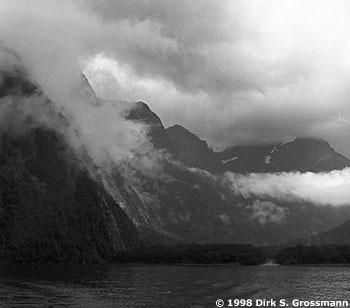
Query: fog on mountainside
(170,190)
(84,178)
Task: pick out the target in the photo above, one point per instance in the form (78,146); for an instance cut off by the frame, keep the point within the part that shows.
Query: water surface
(156,286)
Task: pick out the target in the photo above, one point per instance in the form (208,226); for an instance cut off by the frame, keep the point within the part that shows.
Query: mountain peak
(180,127)
(193,151)
(186,134)
(141,106)
(141,112)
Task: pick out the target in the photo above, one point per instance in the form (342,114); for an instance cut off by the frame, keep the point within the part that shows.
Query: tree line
(326,254)
(193,253)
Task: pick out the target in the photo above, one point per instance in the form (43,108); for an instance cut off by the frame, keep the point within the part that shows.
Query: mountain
(301,154)
(15,82)
(339,235)
(50,209)
(58,205)
(196,206)
(242,159)
(140,112)
(192,151)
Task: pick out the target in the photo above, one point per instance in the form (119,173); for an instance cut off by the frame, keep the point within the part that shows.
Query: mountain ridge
(192,151)
(301,154)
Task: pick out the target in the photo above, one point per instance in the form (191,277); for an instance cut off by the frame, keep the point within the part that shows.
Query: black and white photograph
(174,153)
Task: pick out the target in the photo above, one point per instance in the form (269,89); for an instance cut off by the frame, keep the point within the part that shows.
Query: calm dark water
(164,286)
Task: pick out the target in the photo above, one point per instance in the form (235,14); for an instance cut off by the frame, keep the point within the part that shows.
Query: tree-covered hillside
(50,209)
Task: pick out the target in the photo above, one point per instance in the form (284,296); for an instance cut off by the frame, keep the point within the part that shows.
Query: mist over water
(164,286)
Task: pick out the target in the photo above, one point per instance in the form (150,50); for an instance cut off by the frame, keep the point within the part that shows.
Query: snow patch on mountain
(274,149)
(225,219)
(267,159)
(230,159)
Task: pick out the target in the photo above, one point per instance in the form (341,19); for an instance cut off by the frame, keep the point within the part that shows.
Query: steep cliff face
(50,209)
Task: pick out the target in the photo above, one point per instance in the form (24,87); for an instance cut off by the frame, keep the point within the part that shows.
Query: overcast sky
(233,72)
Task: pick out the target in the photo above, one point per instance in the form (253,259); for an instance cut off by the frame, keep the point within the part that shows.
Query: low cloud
(267,212)
(49,46)
(331,188)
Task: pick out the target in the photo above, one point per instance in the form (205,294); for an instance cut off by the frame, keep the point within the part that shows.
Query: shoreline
(180,264)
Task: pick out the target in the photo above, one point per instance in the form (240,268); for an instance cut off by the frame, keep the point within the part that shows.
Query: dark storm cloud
(201,29)
(245,71)
(231,71)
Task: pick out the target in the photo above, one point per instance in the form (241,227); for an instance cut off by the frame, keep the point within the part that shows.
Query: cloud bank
(330,188)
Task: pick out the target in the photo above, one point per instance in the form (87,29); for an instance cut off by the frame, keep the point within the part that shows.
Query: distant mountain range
(299,154)
(57,205)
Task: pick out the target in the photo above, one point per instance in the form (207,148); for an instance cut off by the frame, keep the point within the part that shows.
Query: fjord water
(156,286)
